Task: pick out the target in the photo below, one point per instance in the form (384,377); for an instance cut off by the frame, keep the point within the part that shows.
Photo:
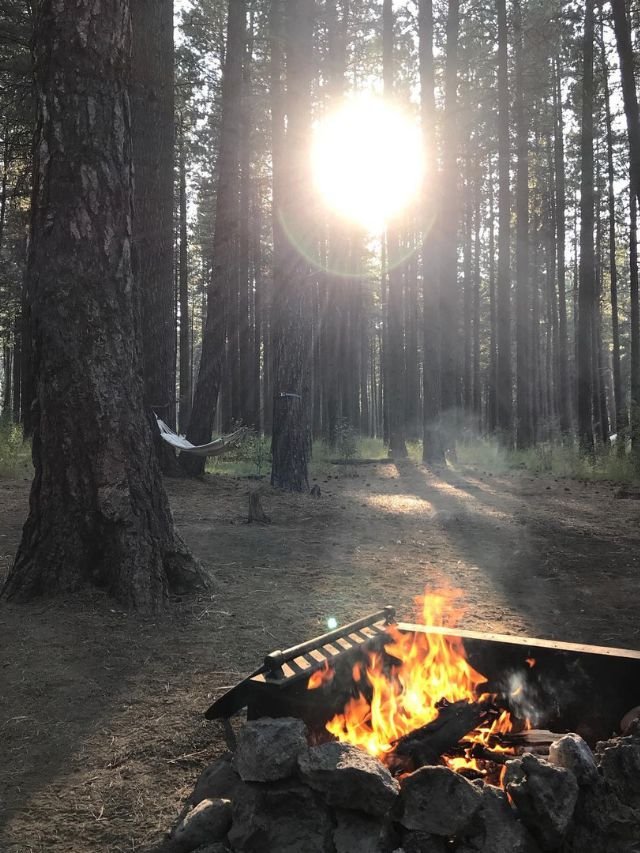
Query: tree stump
(256,513)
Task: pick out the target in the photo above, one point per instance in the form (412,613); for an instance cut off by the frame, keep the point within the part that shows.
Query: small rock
(349,777)
(572,753)
(356,833)
(268,749)
(209,821)
(544,795)
(607,817)
(495,827)
(315,491)
(438,801)
(282,817)
(218,779)
(422,842)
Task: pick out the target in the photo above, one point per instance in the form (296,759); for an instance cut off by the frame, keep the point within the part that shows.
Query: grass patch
(15,452)
(252,458)
(549,459)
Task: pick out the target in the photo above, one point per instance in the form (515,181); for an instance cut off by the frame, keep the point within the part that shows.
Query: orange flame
(321,676)
(405,693)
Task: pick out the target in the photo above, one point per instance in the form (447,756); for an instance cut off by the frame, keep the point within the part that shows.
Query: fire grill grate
(580,688)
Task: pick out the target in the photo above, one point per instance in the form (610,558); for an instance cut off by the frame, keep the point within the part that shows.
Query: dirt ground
(101,727)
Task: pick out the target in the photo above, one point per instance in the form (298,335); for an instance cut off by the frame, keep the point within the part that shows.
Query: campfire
(394,737)
(419,700)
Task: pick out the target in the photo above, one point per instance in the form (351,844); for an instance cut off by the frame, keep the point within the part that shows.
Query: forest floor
(101,728)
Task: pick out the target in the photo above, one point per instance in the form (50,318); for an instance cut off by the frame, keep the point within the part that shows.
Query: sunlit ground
(367,162)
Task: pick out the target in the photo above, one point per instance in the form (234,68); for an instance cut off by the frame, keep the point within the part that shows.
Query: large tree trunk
(292,281)
(587,284)
(153,142)
(224,276)
(504,393)
(98,511)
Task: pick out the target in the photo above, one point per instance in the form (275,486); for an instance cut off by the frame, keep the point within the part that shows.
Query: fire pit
(388,736)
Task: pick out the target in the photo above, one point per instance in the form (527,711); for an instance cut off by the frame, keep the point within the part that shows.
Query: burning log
(427,744)
(533,739)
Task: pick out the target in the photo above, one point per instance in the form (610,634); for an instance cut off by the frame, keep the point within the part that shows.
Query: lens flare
(367,162)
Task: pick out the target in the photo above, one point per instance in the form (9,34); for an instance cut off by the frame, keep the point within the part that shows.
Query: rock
(219,847)
(218,779)
(572,753)
(282,817)
(209,821)
(356,833)
(422,842)
(438,801)
(607,817)
(545,797)
(268,749)
(495,827)
(349,778)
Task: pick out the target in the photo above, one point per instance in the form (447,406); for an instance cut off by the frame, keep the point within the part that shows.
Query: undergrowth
(15,453)
(252,458)
(551,459)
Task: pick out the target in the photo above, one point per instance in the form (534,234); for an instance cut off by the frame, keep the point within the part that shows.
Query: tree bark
(634,298)
(432,449)
(185,326)
(99,514)
(587,285)
(292,280)
(449,296)
(152,110)
(395,336)
(613,268)
(224,275)
(564,397)
(524,367)
(504,394)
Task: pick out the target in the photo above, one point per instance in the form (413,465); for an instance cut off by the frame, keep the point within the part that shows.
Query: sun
(367,162)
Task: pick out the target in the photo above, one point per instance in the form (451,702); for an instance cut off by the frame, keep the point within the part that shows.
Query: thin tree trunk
(524,367)
(185,325)
(564,398)
(395,379)
(504,393)
(292,285)
(449,297)
(224,275)
(432,450)
(613,269)
(587,288)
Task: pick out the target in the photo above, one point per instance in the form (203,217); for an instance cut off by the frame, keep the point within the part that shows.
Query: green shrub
(15,453)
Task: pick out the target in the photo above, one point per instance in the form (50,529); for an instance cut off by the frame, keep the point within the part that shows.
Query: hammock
(214,448)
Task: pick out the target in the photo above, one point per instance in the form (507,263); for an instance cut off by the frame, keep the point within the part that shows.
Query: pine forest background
(503,303)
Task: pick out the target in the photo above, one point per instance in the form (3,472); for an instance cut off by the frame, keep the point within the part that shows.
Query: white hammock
(214,448)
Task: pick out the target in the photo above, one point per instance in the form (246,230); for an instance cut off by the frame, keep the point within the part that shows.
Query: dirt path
(101,729)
